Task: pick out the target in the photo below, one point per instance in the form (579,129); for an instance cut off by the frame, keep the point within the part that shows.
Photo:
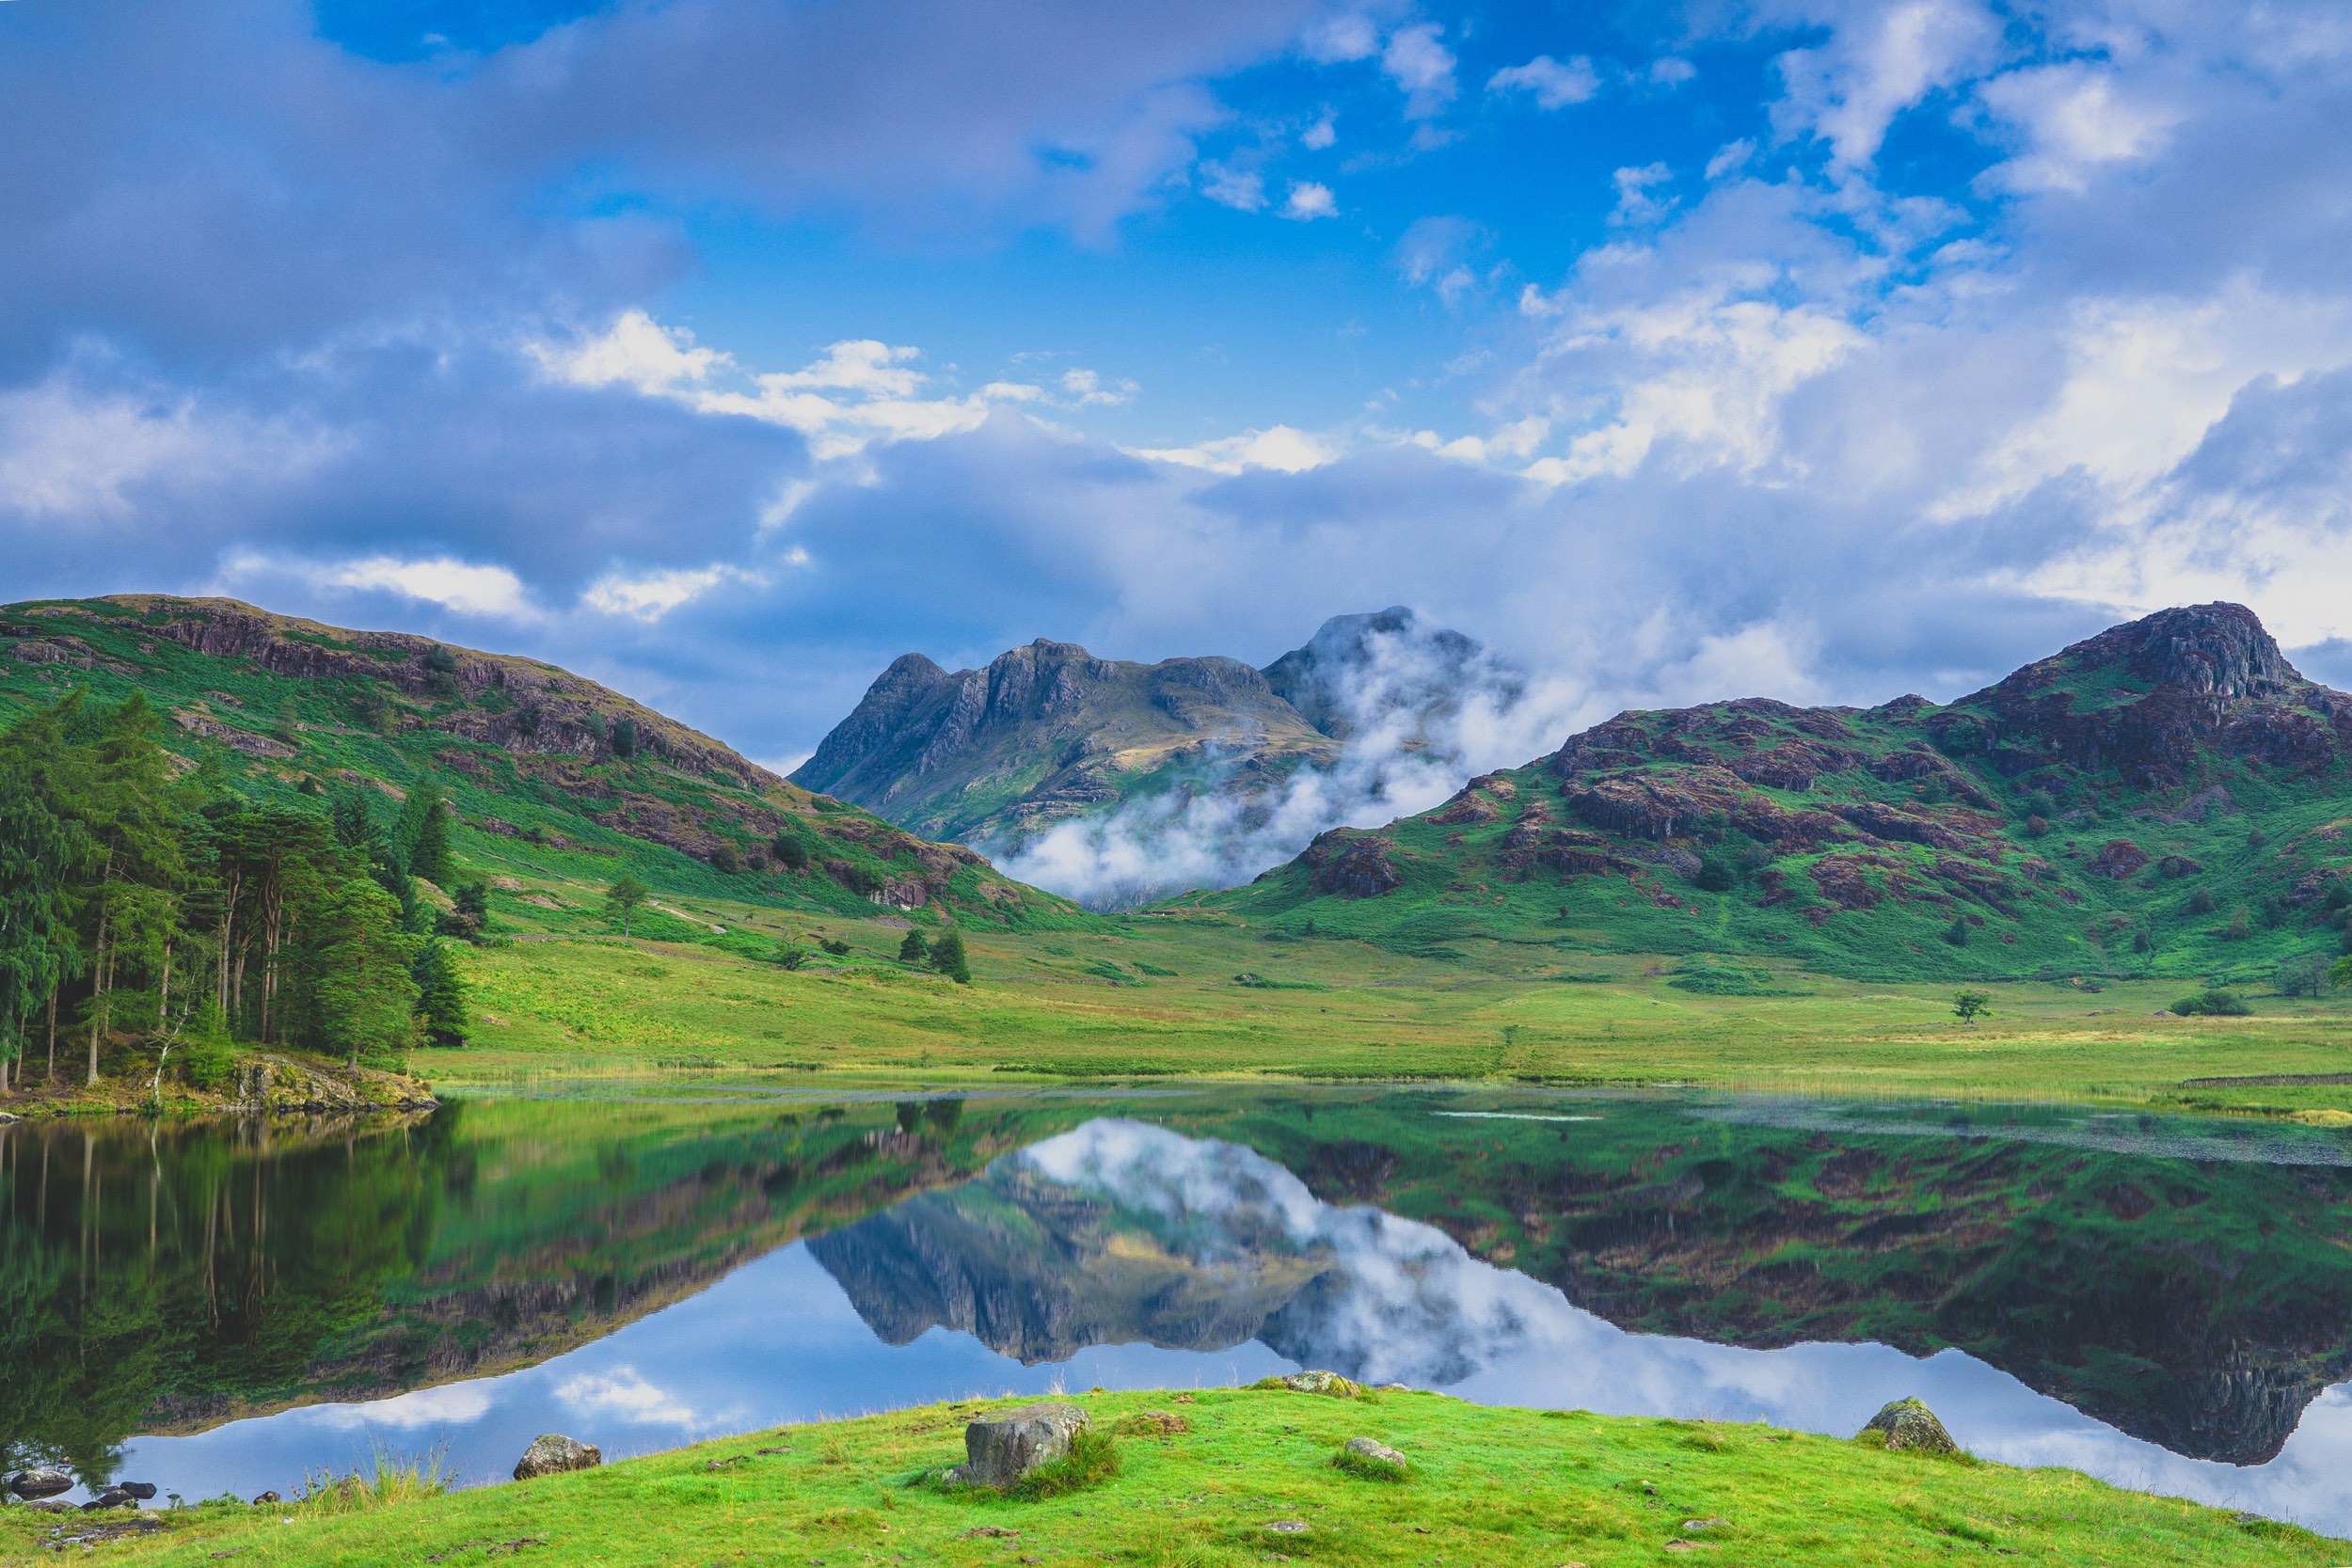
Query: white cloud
(635,350)
(1635,205)
(1880,61)
(623,1392)
(1672,70)
(1309,200)
(651,596)
(1088,388)
(452,1405)
(2142,381)
(1279,448)
(1321,134)
(2073,118)
(1554,83)
(1422,68)
(75,452)
(1730,158)
(1244,190)
(459,586)
(1342,38)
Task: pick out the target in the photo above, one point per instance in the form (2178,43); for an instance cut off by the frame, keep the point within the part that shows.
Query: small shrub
(725,861)
(2213,1001)
(1716,875)
(833,945)
(790,954)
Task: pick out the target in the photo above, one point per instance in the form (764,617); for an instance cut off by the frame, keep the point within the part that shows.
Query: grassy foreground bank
(1487,1487)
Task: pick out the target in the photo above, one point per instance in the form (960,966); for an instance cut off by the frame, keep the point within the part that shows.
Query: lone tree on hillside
(622,898)
(915,949)
(1968,1004)
(947,958)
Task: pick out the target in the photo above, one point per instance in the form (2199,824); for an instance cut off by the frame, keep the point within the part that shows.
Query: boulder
(1314,1381)
(1002,1448)
(552,1454)
(1908,1424)
(143,1490)
(40,1483)
(1366,1450)
(112,1497)
(266,1498)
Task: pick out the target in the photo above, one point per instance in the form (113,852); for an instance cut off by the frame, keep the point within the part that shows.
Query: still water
(2163,1302)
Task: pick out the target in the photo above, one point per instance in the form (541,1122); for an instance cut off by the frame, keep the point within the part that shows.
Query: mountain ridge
(1906,838)
(1048,732)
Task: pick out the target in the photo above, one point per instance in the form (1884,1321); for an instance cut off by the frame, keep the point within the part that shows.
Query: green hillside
(546,773)
(2166,799)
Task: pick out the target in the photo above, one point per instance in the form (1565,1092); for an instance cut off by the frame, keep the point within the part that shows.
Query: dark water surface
(229,1306)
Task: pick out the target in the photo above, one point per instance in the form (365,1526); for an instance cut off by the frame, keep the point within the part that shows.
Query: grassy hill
(2166,799)
(549,774)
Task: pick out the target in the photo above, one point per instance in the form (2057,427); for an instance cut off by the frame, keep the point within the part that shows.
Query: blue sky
(723,349)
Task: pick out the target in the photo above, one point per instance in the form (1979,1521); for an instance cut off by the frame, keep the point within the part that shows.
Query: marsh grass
(385,1477)
(1092,1459)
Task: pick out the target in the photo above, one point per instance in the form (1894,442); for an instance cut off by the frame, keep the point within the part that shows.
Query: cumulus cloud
(1309,200)
(1881,61)
(1422,68)
(1553,83)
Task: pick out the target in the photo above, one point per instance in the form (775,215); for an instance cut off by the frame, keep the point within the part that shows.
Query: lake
(230,1306)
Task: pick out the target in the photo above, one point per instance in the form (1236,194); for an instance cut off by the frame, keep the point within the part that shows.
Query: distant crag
(1049,732)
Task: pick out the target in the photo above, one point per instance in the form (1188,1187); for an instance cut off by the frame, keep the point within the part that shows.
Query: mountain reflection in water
(641,1275)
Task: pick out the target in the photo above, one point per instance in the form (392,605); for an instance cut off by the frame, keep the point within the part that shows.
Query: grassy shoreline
(1487,1486)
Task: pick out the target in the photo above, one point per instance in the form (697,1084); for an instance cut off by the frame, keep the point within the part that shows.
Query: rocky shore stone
(143,1490)
(552,1453)
(1909,1424)
(1002,1448)
(40,1483)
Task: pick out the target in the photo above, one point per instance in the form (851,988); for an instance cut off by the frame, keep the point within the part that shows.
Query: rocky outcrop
(1355,866)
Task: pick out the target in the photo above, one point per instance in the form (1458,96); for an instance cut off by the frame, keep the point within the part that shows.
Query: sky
(724,350)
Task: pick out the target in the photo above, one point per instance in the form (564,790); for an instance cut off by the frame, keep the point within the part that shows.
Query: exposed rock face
(1909,1424)
(552,1455)
(1353,867)
(1048,732)
(1002,1448)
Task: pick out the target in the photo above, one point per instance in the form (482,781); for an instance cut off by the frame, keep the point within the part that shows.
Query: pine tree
(914,949)
(361,1000)
(440,994)
(423,837)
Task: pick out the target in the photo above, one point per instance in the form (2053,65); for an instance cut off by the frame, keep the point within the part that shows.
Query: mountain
(535,761)
(2166,798)
(1049,732)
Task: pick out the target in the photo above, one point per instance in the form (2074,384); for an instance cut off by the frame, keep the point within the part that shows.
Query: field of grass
(1486,1486)
(1197,993)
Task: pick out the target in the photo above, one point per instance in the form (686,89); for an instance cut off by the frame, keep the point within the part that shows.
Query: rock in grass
(552,1455)
(1002,1448)
(40,1483)
(1909,1424)
(1312,1382)
(265,1498)
(1377,1460)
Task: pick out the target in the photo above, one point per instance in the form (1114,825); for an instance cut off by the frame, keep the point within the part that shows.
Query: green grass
(566,999)
(1487,1486)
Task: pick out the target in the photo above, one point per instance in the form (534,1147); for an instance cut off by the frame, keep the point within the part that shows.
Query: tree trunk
(53,1036)
(98,996)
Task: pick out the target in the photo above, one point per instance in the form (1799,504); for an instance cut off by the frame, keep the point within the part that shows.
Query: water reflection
(2140,1301)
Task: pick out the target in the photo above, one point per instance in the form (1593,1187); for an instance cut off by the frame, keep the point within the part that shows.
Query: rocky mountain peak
(2218,652)
(1360,667)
